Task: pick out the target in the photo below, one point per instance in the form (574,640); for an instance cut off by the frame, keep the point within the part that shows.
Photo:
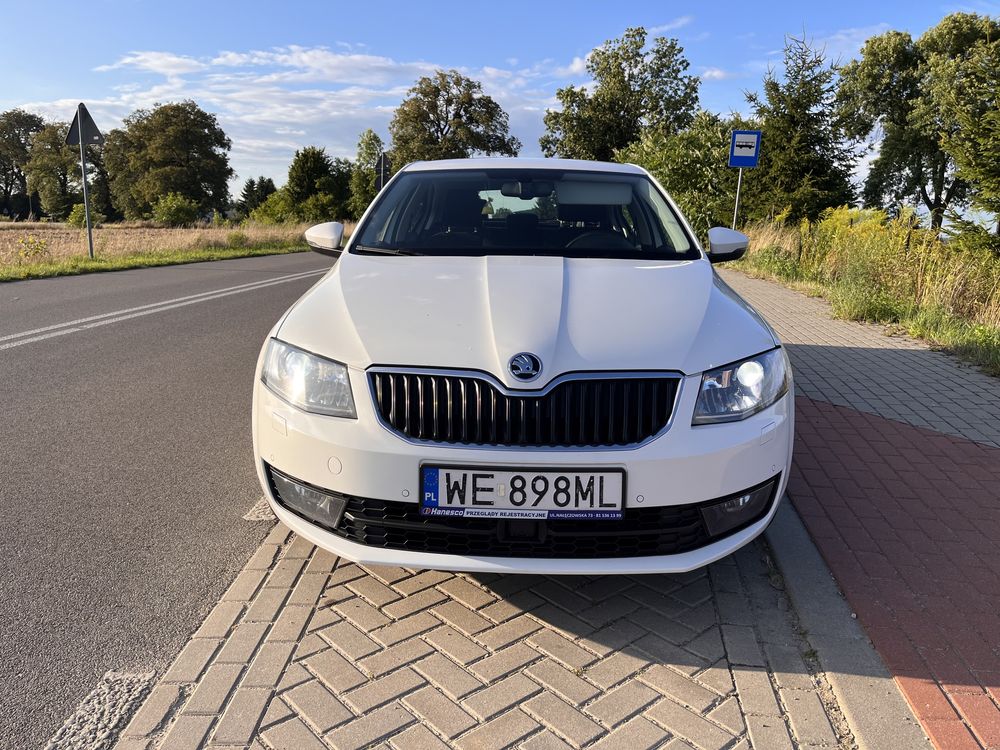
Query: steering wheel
(600,239)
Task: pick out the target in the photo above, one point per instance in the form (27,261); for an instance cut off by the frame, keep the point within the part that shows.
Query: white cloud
(672,25)
(273,101)
(716,74)
(164,63)
(276,100)
(576,68)
(845,44)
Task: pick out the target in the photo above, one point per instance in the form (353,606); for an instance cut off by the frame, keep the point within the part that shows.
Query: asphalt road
(125,469)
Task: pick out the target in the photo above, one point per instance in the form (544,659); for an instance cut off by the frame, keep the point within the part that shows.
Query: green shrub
(318,208)
(237,239)
(78,218)
(175,210)
(277,209)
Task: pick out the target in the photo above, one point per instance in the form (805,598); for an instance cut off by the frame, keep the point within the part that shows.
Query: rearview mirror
(325,238)
(726,244)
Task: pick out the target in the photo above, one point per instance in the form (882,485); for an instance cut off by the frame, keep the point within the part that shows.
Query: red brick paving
(908,520)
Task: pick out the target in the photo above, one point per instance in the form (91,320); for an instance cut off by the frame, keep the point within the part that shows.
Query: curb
(877,713)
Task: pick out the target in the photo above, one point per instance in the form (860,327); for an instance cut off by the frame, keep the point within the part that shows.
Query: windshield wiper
(385,250)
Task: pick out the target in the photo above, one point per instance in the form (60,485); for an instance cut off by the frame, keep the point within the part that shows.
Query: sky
(284,74)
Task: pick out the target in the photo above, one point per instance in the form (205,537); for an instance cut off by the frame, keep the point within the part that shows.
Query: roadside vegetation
(40,249)
(880,269)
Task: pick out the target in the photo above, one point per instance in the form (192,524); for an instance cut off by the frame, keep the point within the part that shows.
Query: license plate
(522,493)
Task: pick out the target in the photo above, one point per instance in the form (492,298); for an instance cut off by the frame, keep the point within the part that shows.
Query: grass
(38,250)
(883,270)
(83,264)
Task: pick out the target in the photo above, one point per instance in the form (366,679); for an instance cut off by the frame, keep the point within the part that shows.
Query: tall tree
(447,116)
(172,148)
(894,90)
(53,170)
(309,174)
(968,94)
(635,88)
(254,193)
(805,163)
(364,178)
(17,128)
(691,165)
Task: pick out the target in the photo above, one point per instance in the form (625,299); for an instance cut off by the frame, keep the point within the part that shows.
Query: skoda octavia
(524,366)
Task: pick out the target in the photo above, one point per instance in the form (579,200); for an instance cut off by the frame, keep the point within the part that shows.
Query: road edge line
(876,711)
(80,323)
(105,709)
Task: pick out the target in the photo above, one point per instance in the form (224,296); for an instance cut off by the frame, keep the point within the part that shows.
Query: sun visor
(578,192)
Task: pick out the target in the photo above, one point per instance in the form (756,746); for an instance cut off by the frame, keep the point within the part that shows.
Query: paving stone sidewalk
(309,651)
(897,479)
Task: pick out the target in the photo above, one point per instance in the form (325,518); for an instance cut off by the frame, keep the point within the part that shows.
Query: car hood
(478,312)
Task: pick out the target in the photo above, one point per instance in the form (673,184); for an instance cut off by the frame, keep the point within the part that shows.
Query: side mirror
(726,244)
(325,238)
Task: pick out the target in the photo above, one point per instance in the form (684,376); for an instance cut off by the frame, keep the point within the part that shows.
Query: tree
(308,174)
(805,163)
(175,210)
(173,148)
(692,166)
(447,116)
(364,177)
(53,170)
(635,89)
(318,186)
(895,90)
(969,96)
(254,193)
(17,128)
(276,209)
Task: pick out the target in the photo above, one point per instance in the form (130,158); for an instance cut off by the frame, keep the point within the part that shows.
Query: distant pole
(86,195)
(736,208)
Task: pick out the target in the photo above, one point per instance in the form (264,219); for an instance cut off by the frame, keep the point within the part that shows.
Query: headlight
(742,389)
(312,383)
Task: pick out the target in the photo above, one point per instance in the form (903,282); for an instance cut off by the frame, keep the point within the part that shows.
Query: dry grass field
(36,250)
(36,242)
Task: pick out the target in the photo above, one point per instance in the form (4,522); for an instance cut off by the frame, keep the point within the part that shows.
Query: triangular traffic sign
(91,135)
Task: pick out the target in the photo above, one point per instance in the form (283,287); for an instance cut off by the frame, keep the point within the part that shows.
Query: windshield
(525,212)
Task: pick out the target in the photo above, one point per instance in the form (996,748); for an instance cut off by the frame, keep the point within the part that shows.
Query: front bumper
(684,466)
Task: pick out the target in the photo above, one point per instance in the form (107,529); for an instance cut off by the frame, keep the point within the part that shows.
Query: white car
(524,365)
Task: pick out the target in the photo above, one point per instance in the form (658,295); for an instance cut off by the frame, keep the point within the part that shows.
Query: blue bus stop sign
(744,151)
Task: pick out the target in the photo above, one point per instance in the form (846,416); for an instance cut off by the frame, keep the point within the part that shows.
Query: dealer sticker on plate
(522,493)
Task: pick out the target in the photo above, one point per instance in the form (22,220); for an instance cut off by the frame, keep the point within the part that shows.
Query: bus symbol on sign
(745,149)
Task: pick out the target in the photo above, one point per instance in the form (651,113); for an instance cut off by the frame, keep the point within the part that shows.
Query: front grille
(668,530)
(579,412)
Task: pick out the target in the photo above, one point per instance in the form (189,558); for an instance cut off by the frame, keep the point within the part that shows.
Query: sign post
(744,152)
(84,132)
(382,169)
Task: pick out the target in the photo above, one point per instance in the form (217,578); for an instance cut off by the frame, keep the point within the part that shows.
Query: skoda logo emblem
(525,366)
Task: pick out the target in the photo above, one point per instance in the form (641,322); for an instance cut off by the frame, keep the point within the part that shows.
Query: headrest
(463,208)
(522,221)
(582,212)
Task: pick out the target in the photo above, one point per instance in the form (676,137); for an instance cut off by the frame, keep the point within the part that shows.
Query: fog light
(315,505)
(738,510)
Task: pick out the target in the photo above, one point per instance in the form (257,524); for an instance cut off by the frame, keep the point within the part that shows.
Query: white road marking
(261,511)
(95,321)
(95,723)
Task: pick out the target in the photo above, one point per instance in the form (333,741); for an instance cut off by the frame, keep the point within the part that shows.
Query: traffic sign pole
(86,195)
(82,131)
(744,152)
(739,184)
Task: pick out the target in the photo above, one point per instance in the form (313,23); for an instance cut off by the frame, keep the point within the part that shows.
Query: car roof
(578,165)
